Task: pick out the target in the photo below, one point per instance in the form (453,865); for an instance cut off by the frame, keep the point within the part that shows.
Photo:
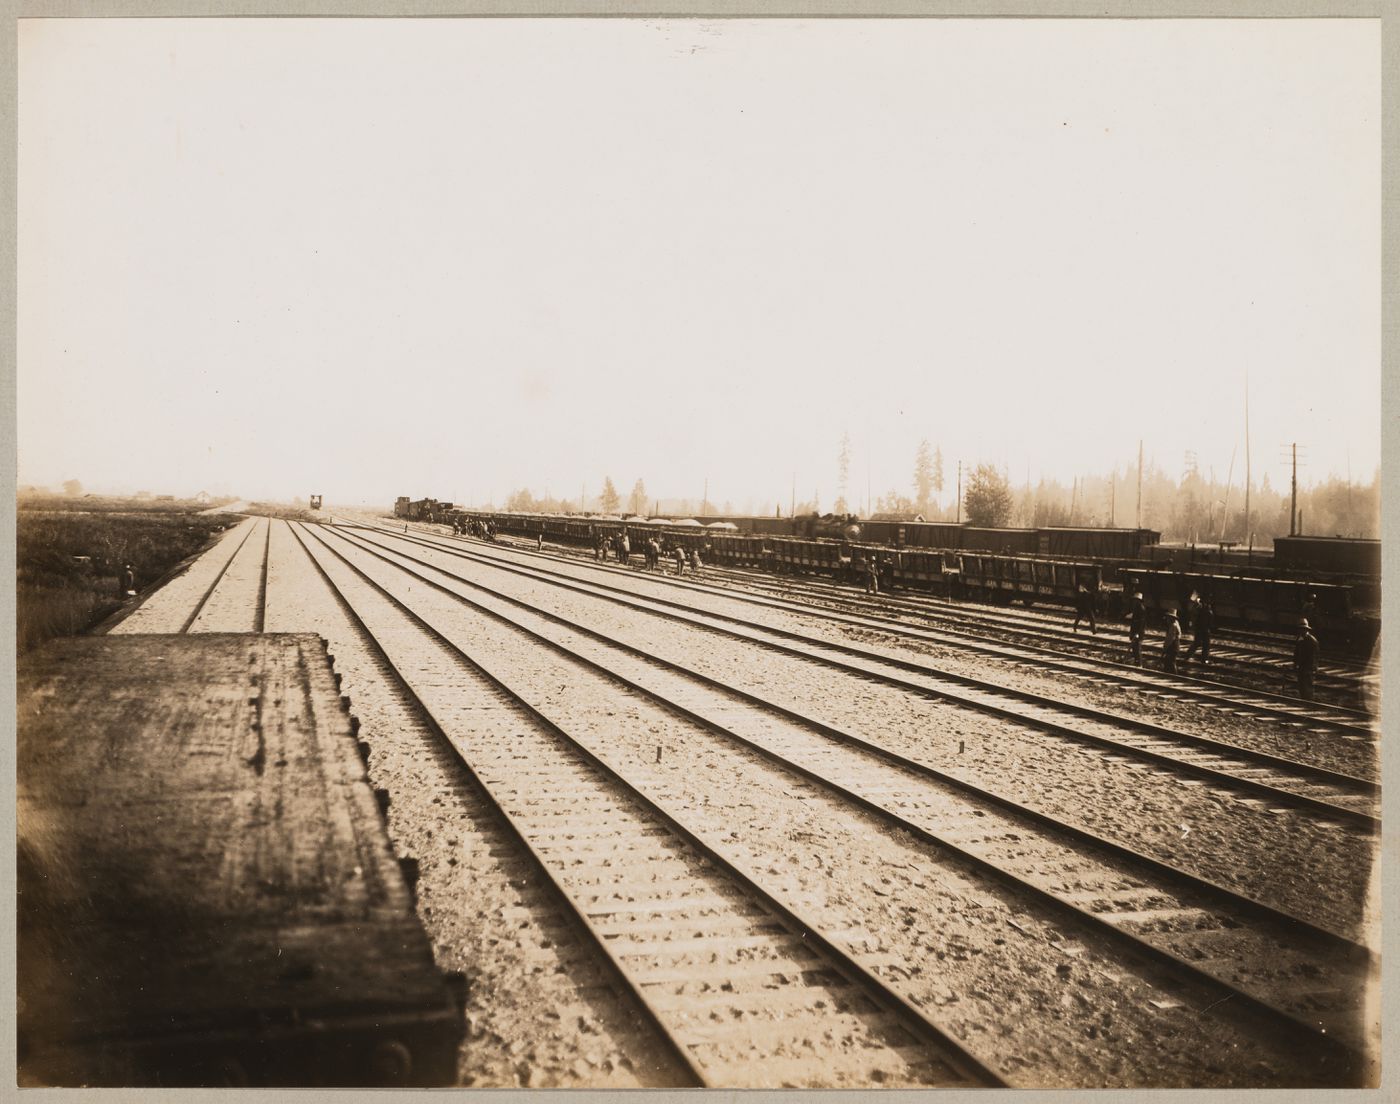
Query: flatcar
(1029,580)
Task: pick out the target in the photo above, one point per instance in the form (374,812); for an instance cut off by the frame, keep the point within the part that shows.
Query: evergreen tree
(843,472)
(609,499)
(923,478)
(637,500)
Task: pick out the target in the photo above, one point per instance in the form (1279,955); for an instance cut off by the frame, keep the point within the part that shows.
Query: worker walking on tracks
(872,576)
(1305,659)
(1137,626)
(1202,626)
(1084,609)
(679,555)
(1191,611)
(1171,643)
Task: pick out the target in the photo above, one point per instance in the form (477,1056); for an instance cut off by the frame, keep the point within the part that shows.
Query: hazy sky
(369,258)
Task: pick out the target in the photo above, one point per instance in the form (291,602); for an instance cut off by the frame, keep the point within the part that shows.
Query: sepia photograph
(682,552)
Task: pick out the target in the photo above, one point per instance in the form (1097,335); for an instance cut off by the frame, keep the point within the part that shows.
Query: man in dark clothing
(1191,611)
(872,576)
(1305,659)
(128,583)
(1137,626)
(1204,625)
(1084,602)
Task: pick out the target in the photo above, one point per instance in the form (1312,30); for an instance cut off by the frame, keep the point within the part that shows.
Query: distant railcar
(1096,544)
(315,502)
(1328,555)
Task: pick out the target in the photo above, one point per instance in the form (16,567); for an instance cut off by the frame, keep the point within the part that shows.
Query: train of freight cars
(1059,542)
(840,548)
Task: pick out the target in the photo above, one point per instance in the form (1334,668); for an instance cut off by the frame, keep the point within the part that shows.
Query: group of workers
(473,527)
(654,551)
(1199,616)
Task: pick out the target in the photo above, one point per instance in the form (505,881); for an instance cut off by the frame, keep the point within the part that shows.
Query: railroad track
(1267,671)
(741,989)
(1237,659)
(1238,662)
(186,603)
(1261,962)
(1246,773)
(1292,711)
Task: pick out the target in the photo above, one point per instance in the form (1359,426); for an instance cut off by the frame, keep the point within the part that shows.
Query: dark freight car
(1328,555)
(1096,544)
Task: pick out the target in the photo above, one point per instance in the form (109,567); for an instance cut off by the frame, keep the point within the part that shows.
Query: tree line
(1194,507)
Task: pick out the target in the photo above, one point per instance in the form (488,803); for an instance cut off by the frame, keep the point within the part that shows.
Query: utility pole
(705,500)
(959,492)
(1113,499)
(1225,506)
(1139,505)
(1249,535)
(792,508)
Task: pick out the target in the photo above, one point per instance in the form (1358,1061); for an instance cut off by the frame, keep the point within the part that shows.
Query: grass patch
(70,559)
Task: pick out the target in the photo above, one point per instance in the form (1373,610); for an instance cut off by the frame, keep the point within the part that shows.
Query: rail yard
(740,827)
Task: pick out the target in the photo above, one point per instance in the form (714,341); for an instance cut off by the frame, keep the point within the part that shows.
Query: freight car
(1257,599)
(1029,580)
(1268,604)
(1060,543)
(1328,555)
(719,544)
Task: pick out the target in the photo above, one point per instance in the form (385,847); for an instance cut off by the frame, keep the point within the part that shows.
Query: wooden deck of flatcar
(207,894)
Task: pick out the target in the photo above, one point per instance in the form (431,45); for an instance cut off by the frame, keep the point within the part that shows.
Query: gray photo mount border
(1388,13)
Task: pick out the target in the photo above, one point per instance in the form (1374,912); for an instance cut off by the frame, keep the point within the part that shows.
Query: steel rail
(994,621)
(1331,1047)
(1305,771)
(1217,694)
(950,1050)
(199,607)
(261,620)
(1006,620)
(1093,650)
(629,991)
(1182,877)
